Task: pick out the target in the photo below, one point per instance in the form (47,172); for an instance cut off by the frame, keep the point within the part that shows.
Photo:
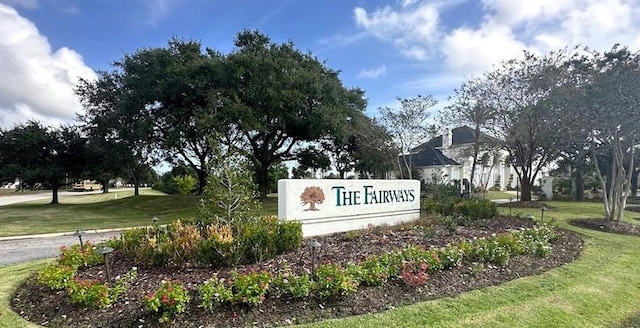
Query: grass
(492,194)
(117,209)
(600,289)
(97,211)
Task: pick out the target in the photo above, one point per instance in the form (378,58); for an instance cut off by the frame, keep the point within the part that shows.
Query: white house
(449,157)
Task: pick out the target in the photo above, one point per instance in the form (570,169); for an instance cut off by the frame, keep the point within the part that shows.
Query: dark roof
(460,135)
(429,156)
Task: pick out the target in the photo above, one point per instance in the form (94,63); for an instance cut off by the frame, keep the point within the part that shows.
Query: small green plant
(250,288)
(122,284)
(289,236)
(185,184)
(333,281)
(374,272)
(451,256)
(90,293)
(415,273)
(55,276)
(288,283)
(170,299)
(215,292)
(76,256)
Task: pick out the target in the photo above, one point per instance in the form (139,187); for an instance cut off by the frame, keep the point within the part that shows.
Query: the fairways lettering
(371,196)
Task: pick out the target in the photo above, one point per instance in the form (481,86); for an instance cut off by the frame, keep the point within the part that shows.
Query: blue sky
(388,48)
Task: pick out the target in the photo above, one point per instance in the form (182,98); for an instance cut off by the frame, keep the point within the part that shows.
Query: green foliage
(250,288)
(90,293)
(185,184)
(451,256)
(230,194)
(215,292)
(289,284)
(333,281)
(75,256)
(474,209)
(217,244)
(170,299)
(289,236)
(55,276)
(373,272)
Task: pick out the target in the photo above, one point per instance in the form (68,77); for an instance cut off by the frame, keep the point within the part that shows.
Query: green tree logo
(312,196)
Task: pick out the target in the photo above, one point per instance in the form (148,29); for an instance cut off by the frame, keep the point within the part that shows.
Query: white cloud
(373,73)
(413,28)
(507,28)
(37,82)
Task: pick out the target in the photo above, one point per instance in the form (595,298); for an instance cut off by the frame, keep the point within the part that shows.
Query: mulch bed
(622,228)
(39,305)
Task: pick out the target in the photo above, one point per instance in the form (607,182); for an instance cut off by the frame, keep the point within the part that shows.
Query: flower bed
(360,272)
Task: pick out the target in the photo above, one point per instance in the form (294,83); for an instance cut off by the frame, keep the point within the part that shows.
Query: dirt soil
(622,228)
(41,306)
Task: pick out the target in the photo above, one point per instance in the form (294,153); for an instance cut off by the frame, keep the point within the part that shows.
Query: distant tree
(37,154)
(408,126)
(374,152)
(469,107)
(314,159)
(113,120)
(282,98)
(176,91)
(525,122)
(277,172)
(613,117)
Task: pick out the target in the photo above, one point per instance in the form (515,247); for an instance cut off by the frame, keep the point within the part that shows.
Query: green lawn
(117,209)
(96,211)
(600,289)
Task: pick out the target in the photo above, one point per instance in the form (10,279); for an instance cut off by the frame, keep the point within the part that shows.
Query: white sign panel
(328,205)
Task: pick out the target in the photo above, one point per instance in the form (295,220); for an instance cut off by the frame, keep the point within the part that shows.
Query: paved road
(19,198)
(26,248)
(14,251)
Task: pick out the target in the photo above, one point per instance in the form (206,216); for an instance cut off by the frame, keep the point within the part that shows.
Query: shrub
(288,283)
(451,256)
(251,287)
(75,256)
(374,272)
(478,209)
(332,281)
(90,293)
(182,242)
(215,292)
(96,294)
(488,250)
(289,236)
(414,273)
(55,276)
(170,299)
(419,254)
(258,238)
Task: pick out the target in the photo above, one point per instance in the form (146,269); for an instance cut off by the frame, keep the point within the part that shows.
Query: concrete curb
(62,234)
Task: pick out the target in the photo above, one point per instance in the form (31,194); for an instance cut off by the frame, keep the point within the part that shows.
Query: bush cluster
(60,275)
(215,244)
(411,265)
(472,209)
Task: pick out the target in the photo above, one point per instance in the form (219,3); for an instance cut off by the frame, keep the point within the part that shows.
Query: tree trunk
(525,190)
(105,186)
(579,181)
(634,183)
(54,198)
(262,177)
(202,181)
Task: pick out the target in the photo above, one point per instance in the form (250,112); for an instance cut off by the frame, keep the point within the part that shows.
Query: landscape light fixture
(510,201)
(155,220)
(105,250)
(314,244)
(542,216)
(79,233)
